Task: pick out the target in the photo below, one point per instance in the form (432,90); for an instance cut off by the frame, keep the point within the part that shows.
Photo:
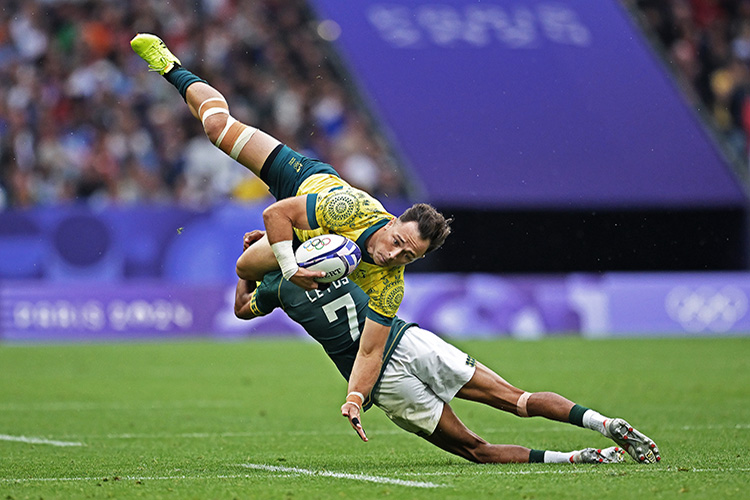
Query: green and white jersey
(334,317)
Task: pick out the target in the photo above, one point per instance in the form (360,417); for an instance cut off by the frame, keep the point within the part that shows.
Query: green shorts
(285,169)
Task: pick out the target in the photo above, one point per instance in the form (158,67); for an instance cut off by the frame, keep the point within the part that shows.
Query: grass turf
(259,419)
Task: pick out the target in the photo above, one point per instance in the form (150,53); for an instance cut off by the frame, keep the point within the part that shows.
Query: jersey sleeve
(344,210)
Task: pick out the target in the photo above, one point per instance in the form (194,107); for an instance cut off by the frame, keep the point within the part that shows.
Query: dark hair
(431,223)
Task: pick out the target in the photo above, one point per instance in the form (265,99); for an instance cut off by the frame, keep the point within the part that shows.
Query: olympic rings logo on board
(706,308)
(317,243)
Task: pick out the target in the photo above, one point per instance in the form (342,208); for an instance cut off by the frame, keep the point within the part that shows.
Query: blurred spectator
(81,120)
(709,43)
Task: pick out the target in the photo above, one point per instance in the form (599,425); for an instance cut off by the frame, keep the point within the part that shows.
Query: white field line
(342,475)
(291,472)
(37,440)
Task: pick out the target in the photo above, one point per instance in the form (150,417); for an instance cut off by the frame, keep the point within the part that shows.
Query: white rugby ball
(334,254)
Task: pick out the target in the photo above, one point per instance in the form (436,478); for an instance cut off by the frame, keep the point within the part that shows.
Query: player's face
(398,244)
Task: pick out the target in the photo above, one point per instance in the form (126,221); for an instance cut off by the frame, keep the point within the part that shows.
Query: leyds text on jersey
(313,295)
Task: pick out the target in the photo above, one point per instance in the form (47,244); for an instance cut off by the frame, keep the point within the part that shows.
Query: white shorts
(424,373)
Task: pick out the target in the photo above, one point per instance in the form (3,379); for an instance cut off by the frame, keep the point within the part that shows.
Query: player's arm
(280,220)
(243,294)
(365,372)
(242,299)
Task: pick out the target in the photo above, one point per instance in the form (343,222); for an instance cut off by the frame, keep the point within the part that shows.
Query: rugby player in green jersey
(421,374)
(313,199)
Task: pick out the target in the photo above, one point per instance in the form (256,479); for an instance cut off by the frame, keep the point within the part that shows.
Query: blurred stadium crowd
(81,118)
(708,43)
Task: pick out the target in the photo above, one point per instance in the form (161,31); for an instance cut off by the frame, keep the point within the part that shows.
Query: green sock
(182,79)
(536,457)
(576,415)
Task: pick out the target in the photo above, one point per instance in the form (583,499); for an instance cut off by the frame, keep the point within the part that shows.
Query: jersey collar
(366,234)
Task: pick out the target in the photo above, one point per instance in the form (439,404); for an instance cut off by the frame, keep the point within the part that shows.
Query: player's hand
(251,238)
(304,278)
(351,411)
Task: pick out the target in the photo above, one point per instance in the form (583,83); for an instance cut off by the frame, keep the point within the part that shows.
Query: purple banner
(678,303)
(533,103)
(453,305)
(36,311)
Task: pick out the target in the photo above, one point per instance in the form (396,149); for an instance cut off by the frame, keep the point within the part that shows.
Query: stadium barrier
(75,273)
(453,305)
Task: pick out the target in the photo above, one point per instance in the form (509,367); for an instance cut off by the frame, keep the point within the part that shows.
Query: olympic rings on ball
(316,243)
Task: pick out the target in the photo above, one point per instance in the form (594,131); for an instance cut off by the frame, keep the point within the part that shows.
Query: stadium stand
(708,43)
(81,120)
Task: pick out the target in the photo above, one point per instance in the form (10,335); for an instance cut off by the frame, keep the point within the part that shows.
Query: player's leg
(247,145)
(424,372)
(454,437)
(489,388)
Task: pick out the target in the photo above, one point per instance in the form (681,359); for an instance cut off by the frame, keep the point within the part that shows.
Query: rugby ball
(334,254)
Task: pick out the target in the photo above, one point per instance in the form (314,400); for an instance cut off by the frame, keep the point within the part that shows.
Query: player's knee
(214,125)
(254,269)
(228,134)
(214,115)
(244,272)
(522,404)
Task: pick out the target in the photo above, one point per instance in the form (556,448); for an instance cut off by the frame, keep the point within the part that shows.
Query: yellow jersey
(333,206)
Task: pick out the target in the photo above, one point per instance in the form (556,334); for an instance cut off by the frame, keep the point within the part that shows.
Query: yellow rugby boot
(152,49)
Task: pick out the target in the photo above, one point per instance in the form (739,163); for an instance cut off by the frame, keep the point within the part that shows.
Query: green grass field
(259,419)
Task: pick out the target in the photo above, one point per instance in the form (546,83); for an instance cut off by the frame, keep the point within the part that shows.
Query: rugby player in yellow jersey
(313,199)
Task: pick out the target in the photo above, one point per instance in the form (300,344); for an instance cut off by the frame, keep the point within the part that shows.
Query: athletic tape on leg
(245,136)
(521,404)
(234,137)
(213,111)
(230,121)
(212,106)
(237,134)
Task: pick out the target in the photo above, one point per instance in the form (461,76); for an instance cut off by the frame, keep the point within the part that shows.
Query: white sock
(595,421)
(558,457)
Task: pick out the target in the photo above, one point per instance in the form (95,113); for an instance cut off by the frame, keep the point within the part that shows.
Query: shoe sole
(610,455)
(638,445)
